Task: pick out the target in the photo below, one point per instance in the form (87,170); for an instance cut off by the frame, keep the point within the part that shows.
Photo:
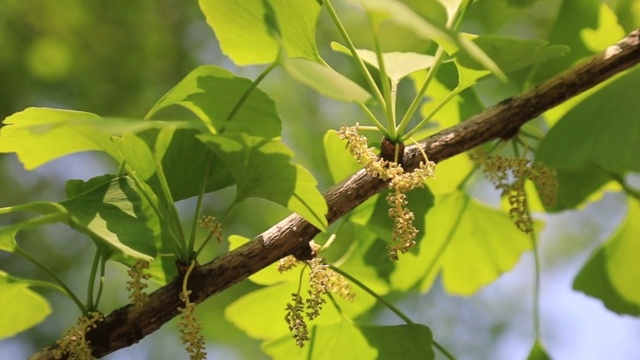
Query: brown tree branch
(129,324)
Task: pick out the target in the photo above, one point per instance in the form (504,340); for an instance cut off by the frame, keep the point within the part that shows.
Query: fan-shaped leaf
(212,92)
(612,273)
(397,64)
(584,137)
(20,307)
(262,168)
(248,30)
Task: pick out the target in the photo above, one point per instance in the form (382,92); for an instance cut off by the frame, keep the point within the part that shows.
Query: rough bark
(129,324)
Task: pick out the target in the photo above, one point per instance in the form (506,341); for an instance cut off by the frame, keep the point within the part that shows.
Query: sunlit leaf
(397,64)
(401,14)
(374,214)
(173,146)
(579,186)
(568,33)
(509,54)
(262,168)
(354,341)
(457,109)
(586,137)
(270,274)
(608,31)
(612,273)
(8,238)
(341,163)
(325,80)
(245,29)
(212,92)
(261,313)
(111,211)
(470,243)
(20,307)
(411,341)
(39,135)
(342,337)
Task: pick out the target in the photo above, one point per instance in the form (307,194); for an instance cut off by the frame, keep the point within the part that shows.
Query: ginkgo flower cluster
(73,341)
(400,182)
(322,280)
(497,170)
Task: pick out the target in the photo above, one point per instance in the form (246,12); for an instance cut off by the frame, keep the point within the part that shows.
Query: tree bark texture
(129,324)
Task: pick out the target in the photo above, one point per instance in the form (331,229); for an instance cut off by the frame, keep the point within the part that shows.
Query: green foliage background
(117,58)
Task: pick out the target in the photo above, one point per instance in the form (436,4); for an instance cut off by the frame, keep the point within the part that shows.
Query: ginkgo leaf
(355,341)
(256,312)
(342,337)
(401,14)
(397,64)
(509,54)
(248,30)
(262,168)
(584,138)
(39,135)
(20,307)
(325,80)
(568,33)
(270,274)
(172,146)
(608,31)
(374,213)
(612,273)
(107,208)
(211,93)
(110,210)
(341,163)
(469,243)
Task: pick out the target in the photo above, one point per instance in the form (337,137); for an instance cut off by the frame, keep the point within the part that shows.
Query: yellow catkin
(401,182)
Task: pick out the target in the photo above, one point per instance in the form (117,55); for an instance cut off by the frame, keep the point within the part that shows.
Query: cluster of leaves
(232,136)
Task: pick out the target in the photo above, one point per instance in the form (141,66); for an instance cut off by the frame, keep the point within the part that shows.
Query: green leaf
(411,341)
(343,338)
(211,92)
(608,31)
(538,352)
(39,135)
(341,163)
(8,238)
(262,168)
(568,33)
(246,30)
(260,314)
(172,146)
(470,243)
(111,211)
(579,186)
(374,214)
(401,14)
(509,54)
(325,80)
(20,308)
(586,136)
(270,274)
(612,273)
(350,340)
(398,64)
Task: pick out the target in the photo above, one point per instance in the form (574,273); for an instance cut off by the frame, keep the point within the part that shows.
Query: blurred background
(116,58)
